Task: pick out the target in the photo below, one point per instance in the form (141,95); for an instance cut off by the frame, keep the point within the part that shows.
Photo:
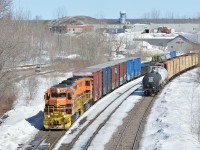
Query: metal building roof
(193,38)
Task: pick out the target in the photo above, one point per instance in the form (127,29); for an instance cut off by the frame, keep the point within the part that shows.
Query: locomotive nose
(56,122)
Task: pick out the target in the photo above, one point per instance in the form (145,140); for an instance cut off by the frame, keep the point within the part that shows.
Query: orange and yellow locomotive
(66,101)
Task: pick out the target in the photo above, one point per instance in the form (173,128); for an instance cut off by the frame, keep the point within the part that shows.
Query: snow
(73,56)
(150,35)
(105,134)
(64,54)
(93,111)
(169,125)
(26,117)
(172,124)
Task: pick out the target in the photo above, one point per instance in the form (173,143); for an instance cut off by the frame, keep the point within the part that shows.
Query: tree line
(24,41)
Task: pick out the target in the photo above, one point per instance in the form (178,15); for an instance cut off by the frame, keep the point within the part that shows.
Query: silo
(122,19)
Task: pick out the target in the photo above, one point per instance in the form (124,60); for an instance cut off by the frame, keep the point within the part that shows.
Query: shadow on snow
(37,120)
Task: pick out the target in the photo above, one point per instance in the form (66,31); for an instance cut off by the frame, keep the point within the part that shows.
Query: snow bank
(171,124)
(26,117)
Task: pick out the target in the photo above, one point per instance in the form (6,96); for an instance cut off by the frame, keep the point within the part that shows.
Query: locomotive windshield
(57,93)
(47,96)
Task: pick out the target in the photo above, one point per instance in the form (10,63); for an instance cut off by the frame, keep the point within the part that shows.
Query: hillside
(76,20)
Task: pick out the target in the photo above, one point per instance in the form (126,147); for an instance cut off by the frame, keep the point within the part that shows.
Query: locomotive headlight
(51,114)
(64,116)
(48,116)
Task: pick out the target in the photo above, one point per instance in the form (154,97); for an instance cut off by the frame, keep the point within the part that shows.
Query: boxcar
(145,68)
(133,68)
(115,66)
(172,54)
(96,74)
(106,77)
(122,70)
(129,69)
(137,67)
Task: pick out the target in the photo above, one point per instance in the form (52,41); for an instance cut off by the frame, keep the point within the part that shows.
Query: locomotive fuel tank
(154,80)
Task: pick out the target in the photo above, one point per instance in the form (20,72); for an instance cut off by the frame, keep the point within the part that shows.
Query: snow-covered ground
(174,120)
(111,126)
(173,123)
(26,117)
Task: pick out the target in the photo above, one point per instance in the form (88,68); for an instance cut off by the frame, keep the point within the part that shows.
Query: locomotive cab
(58,108)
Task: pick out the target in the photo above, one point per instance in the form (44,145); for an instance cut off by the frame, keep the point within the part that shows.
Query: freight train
(68,100)
(167,69)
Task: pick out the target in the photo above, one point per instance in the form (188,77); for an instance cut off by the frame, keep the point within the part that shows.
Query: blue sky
(51,9)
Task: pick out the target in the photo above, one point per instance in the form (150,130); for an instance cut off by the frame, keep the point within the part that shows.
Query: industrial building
(185,42)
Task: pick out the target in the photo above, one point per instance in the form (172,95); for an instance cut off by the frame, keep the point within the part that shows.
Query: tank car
(154,80)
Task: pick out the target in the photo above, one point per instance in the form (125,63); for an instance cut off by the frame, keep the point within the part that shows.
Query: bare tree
(5,6)
(5,45)
(32,86)
(90,46)
(155,14)
(117,42)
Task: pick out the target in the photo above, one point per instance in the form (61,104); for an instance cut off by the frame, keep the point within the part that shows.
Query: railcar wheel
(150,93)
(75,116)
(146,93)
(87,106)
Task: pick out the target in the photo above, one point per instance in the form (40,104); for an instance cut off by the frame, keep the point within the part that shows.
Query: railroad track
(17,79)
(24,67)
(128,135)
(142,124)
(133,126)
(47,140)
(117,102)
